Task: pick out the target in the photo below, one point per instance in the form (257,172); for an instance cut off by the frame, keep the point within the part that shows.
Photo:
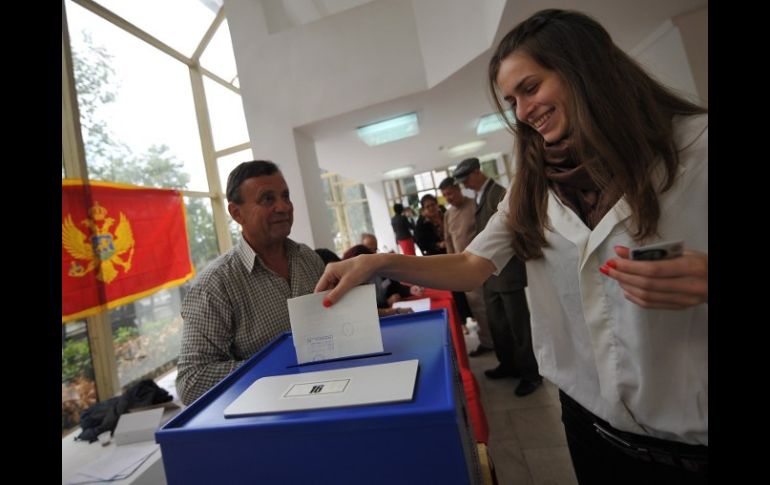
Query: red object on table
(443,299)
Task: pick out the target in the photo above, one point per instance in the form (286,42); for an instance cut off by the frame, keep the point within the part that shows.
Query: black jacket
(514,275)
(402,227)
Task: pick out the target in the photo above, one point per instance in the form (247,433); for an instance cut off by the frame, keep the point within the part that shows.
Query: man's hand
(393,298)
(671,284)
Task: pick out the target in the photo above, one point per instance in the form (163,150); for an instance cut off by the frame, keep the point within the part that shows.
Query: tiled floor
(526,436)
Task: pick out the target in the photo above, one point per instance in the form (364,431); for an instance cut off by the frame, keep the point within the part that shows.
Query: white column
(378,207)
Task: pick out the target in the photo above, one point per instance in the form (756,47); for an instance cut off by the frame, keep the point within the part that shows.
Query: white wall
(693,27)
(311,176)
(454,32)
(662,54)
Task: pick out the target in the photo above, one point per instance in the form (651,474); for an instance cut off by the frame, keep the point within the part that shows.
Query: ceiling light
(465,148)
(389,130)
(493,122)
(399,172)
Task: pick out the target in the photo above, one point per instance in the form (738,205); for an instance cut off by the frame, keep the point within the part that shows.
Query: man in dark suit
(507,309)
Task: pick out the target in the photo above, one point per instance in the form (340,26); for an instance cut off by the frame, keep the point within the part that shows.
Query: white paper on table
(350,327)
(421,305)
(119,463)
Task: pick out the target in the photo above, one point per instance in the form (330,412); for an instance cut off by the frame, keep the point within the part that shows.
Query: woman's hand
(416,290)
(342,276)
(671,284)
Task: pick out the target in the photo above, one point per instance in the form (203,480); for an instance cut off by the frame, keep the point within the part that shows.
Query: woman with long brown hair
(607,159)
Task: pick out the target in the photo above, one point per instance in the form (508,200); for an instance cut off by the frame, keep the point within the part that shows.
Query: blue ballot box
(425,440)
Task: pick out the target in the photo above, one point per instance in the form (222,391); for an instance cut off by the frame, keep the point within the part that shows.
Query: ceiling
(285,14)
(449,111)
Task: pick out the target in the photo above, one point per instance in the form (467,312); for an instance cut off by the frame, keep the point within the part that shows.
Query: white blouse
(644,371)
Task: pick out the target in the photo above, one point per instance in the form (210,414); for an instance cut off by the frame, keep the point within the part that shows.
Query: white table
(76,454)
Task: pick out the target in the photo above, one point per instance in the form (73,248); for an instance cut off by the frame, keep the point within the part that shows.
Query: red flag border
(136,296)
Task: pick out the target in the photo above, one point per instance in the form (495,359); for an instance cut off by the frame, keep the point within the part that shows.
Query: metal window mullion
(232,149)
(218,209)
(210,32)
(219,80)
(132,29)
(99,328)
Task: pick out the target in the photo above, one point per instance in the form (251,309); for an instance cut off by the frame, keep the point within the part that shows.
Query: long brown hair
(621,121)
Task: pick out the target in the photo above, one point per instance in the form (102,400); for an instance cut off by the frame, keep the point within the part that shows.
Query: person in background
(607,159)
(459,231)
(429,230)
(237,304)
(327,255)
(429,236)
(504,296)
(402,228)
(388,291)
(370,241)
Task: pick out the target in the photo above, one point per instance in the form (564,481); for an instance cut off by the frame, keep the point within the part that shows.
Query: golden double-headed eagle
(101,250)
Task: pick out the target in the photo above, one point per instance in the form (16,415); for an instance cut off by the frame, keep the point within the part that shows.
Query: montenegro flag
(120,243)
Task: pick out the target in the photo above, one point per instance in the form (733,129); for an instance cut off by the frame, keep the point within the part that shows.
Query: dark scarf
(570,181)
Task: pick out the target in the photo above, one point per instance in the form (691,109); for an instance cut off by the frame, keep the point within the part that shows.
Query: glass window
(327,188)
(78,388)
(235,230)
(359,220)
(423,181)
(439,175)
(348,211)
(391,189)
(408,185)
(227,163)
(201,235)
(136,107)
(147,334)
(178,23)
(413,201)
(218,56)
(228,123)
(353,191)
(489,168)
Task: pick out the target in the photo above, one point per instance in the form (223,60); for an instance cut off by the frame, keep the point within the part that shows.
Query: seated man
(237,304)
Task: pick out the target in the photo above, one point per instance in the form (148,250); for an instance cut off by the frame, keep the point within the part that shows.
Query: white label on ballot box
(317,388)
(352,386)
(350,327)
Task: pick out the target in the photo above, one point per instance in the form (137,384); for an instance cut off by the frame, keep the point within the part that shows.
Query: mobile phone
(661,250)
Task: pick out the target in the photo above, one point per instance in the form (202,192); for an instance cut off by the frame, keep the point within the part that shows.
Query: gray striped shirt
(235,307)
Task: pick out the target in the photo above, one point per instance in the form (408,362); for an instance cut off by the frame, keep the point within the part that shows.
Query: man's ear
(235,211)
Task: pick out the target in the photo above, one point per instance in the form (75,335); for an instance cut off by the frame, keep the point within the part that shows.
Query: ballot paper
(421,305)
(349,327)
(119,463)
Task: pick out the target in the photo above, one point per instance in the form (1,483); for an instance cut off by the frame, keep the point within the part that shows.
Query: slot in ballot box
(427,439)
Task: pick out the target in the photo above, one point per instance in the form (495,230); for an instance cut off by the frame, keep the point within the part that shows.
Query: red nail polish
(612,263)
(327,303)
(605,270)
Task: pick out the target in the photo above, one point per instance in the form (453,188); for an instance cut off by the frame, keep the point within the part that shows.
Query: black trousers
(602,454)
(462,306)
(508,318)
